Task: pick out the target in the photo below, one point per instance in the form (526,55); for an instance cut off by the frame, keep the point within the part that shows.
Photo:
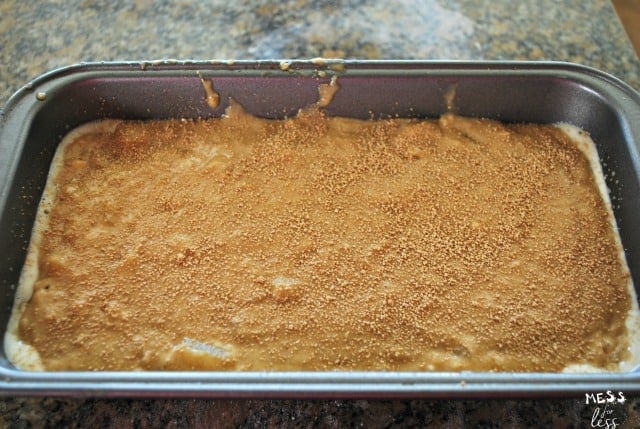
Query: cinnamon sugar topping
(326,243)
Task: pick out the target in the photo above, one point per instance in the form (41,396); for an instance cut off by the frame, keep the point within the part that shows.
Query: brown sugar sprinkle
(327,243)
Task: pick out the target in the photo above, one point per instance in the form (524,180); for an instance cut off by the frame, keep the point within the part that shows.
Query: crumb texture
(327,243)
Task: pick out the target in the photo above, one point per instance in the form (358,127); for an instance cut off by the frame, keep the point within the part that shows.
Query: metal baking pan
(42,112)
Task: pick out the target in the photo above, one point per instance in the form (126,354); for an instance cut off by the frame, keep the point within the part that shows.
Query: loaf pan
(37,117)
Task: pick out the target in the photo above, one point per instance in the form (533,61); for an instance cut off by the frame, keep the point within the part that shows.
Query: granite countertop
(36,37)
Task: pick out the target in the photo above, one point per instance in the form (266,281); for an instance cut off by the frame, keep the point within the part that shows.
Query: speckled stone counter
(36,37)
(39,36)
